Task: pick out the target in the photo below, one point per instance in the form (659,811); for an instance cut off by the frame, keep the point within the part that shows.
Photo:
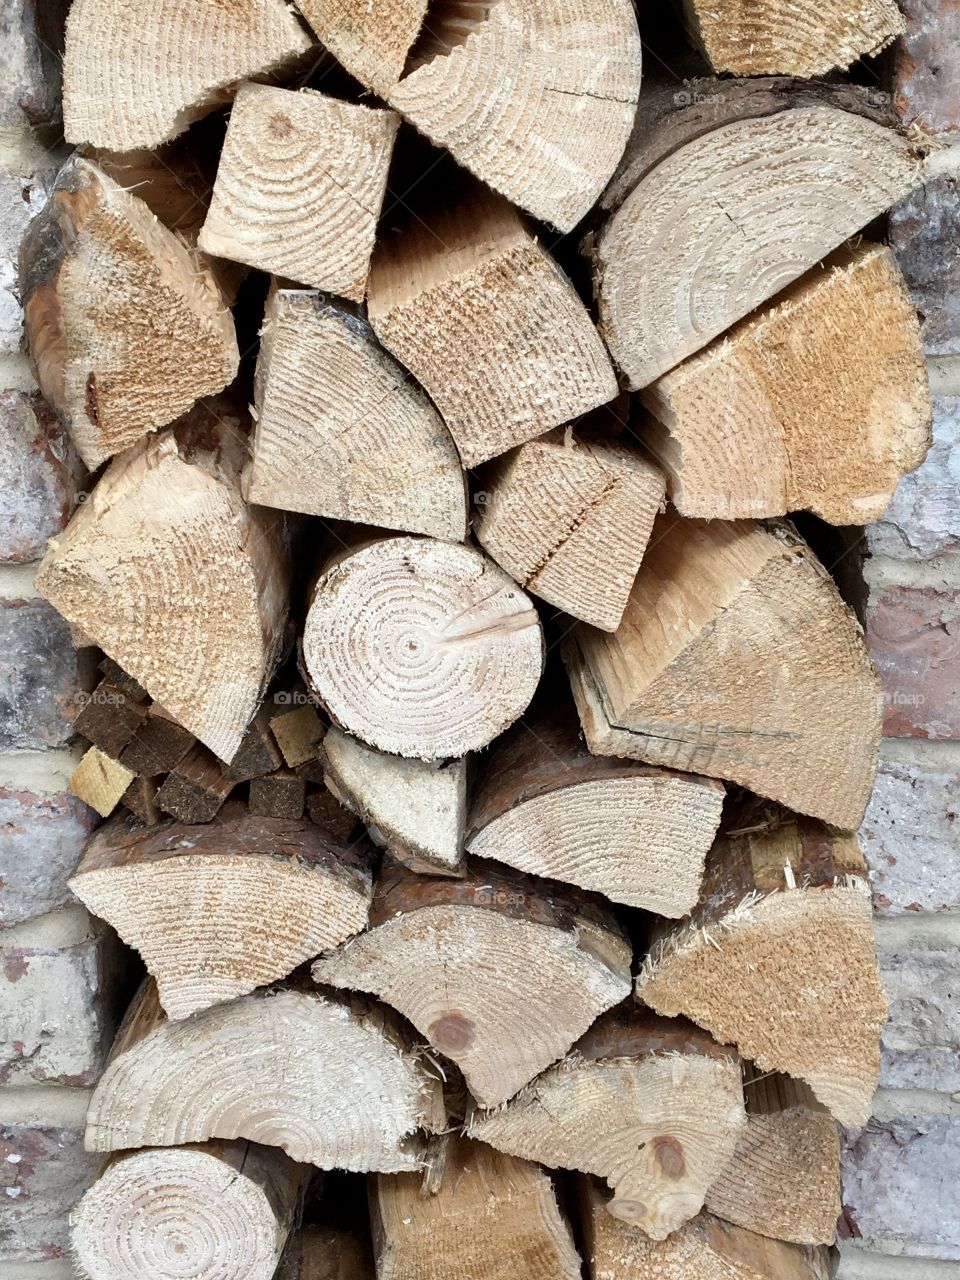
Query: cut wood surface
(415,809)
(744,429)
(714,221)
(342,430)
(499,972)
(158,746)
(635,833)
(176,578)
(778,959)
(219,909)
(421,648)
(651,1104)
(258,753)
(493,1217)
(768,37)
(371,41)
(278,795)
(135,79)
(334,1082)
(196,790)
(299,188)
(108,718)
(569,518)
(298,733)
(536,99)
(784,1177)
(480,313)
(140,798)
(216,1211)
(115,304)
(736,658)
(100,781)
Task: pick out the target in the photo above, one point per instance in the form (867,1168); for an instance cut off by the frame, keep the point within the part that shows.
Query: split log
(141,799)
(278,795)
(569,518)
(298,734)
(483,317)
(108,718)
(797,39)
(715,212)
(635,833)
(371,42)
(196,790)
(421,648)
(537,100)
(342,431)
(100,781)
(745,430)
(135,81)
(492,1216)
(736,658)
(415,809)
(258,753)
(650,1104)
(301,180)
(335,1083)
(499,972)
(158,746)
(218,910)
(217,1211)
(778,959)
(113,301)
(784,1177)
(177,579)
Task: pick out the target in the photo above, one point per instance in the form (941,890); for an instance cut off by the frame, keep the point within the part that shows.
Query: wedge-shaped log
(784,1177)
(537,100)
(218,910)
(342,430)
(737,658)
(635,833)
(480,313)
(170,572)
(216,1211)
(745,429)
(134,79)
(100,781)
(778,959)
(709,225)
(500,972)
(373,41)
(569,519)
(127,328)
(492,1216)
(197,789)
(767,37)
(421,648)
(300,185)
(334,1082)
(415,809)
(651,1104)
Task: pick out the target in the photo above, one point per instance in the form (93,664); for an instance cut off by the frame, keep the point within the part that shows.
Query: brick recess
(38,676)
(39,472)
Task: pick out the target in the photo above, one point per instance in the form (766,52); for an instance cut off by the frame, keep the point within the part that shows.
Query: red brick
(44,1171)
(927,76)
(913,634)
(39,471)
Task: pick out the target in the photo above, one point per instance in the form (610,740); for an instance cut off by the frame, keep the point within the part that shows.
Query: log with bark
(218,910)
(501,973)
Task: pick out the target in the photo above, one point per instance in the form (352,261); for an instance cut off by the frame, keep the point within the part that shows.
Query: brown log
(141,799)
(278,795)
(258,753)
(109,718)
(196,790)
(114,674)
(158,746)
(372,43)
(327,812)
(332,1250)
(100,781)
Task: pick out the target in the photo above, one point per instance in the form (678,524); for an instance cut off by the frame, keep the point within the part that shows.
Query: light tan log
(500,972)
(415,809)
(778,959)
(633,832)
(736,658)
(483,317)
(134,79)
(216,1211)
(218,910)
(421,648)
(301,180)
(569,518)
(536,99)
(127,328)
(818,402)
(651,1104)
(703,1249)
(715,211)
(493,1218)
(176,578)
(371,41)
(784,1177)
(333,1081)
(768,37)
(100,781)
(342,431)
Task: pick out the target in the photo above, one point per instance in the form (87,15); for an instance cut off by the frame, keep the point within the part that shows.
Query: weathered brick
(39,472)
(921,985)
(44,1171)
(934,1069)
(923,520)
(21,198)
(927,75)
(913,634)
(31,33)
(41,839)
(925,236)
(38,676)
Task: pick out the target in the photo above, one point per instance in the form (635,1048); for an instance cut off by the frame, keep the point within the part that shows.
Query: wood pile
(479,743)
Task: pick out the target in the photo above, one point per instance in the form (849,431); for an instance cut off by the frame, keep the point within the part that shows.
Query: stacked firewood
(486,838)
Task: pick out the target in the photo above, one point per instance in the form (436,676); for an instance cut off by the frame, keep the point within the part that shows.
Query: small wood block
(326,811)
(196,790)
(141,799)
(100,781)
(114,674)
(258,753)
(277,795)
(298,734)
(109,718)
(158,746)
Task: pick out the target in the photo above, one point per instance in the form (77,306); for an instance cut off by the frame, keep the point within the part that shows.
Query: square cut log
(100,781)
